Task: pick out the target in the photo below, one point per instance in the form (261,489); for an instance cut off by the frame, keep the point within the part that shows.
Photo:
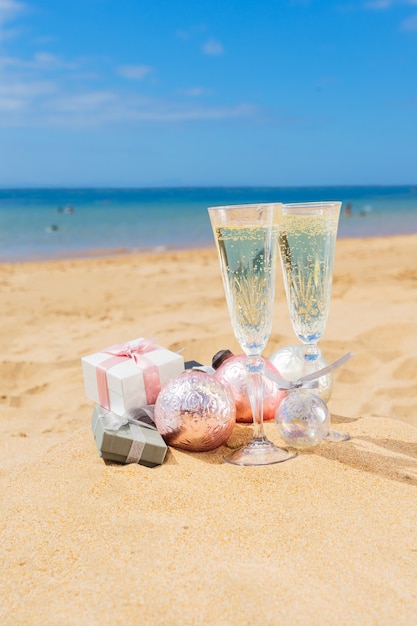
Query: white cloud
(9,11)
(173,113)
(212,47)
(45,40)
(191,32)
(324,81)
(6,34)
(182,34)
(48,91)
(410,23)
(9,104)
(45,104)
(35,92)
(195,92)
(45,60)
(135,72)
(41,61)
(378,4)
(93,101)
(27,90)
(22,98)
(386,4)
(119,109)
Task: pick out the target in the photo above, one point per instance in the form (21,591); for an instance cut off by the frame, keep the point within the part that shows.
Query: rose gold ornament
(231,371)
(194,411)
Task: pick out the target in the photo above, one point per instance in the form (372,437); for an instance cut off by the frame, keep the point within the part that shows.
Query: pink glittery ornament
(231,371)
(194,411)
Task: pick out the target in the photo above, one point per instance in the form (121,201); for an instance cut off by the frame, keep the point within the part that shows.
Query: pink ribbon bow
(135,350)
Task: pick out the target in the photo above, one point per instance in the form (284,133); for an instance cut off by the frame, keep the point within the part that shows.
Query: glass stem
(255,366)
(312,354)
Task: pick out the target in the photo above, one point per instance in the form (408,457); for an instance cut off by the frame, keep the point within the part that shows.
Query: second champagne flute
(307,243)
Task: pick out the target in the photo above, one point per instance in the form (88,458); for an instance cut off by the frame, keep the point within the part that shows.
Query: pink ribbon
(123,352)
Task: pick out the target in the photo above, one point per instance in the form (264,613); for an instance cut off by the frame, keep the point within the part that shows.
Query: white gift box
(130,375)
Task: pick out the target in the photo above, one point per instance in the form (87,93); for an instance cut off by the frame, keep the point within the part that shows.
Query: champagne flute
(307,242)
(247,240)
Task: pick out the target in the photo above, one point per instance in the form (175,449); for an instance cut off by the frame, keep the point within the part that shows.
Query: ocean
(64,223)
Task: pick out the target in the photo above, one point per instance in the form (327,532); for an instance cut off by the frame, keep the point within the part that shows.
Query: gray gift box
(133,442)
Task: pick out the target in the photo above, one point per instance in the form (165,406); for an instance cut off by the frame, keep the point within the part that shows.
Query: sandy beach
(328,538)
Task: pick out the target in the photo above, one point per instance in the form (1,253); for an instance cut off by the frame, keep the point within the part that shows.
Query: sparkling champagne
(247,255)
(307,244)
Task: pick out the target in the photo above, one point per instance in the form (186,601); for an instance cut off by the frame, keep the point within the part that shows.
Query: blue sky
(200,92)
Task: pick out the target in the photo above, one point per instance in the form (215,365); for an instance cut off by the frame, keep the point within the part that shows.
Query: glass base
(259,452)
(335,436)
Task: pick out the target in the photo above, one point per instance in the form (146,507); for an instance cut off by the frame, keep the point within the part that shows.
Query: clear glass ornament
(194,411)
(292,364)
(302,419)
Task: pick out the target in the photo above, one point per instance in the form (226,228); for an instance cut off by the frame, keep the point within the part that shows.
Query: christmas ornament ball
(290,362)
(195,412)
(231,371)
(302,419)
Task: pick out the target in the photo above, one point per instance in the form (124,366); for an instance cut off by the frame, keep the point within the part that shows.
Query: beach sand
(326,538)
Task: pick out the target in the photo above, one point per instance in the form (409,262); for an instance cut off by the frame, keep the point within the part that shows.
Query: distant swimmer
(69,209)
(52,228)
(366,210)
(348,209)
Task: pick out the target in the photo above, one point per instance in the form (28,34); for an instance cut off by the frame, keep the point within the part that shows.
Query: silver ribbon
(309,381)
(142,416)
(207,369)
(138,444)
(133,418)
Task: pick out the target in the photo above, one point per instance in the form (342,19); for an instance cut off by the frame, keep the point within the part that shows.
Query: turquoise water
(54,223)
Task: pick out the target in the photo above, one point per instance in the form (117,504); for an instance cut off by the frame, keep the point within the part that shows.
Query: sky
(158,93)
